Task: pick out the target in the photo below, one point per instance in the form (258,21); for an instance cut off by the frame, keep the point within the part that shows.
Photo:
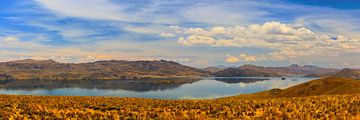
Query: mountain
(324,86)
(113,69)
(305,70)
(215,69)
(348,73)
(260,71)
(247,71)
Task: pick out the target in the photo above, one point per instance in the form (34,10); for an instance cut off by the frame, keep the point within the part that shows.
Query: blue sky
(198,33)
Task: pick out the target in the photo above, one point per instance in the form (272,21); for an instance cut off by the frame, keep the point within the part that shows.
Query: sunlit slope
(328,98)
(348,73)
(62,107)
(325,86)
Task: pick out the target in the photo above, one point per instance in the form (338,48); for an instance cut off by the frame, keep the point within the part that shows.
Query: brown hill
(303,70)
(348,73)
(247,71)
(213,69)
(114,69)
(325,86)
(260,71)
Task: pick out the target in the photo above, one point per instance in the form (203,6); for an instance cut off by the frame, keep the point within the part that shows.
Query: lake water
(206,88)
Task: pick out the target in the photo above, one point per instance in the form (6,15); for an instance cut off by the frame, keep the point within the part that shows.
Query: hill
(303,70)
(324,86)
(348,73)
(260,71)
(113,69)
(247,71)
(213,69)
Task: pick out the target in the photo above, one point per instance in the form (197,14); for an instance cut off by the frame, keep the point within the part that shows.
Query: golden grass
(61,107)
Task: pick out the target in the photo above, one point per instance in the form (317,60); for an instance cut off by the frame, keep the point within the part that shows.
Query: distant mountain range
(121,69)
(107,70)
(260,71)
(247,71)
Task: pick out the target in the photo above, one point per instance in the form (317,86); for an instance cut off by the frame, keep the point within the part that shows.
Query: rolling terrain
(120,69)
(247,71)
(324,86)
(260,71)
(104,70)
(348,73)
(328,98)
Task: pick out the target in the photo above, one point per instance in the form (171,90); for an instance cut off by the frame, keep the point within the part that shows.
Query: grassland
(328,98)
(61,107)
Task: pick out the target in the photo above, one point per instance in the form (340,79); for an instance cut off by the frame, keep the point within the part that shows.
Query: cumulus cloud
(248,58)
(167,35)
(197,40)
(231,59)
(244,58)
(287,40)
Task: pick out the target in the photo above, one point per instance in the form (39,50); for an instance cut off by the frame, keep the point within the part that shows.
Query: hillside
(260,71)
(114,69)
(213,69)
(348,73)
(247,71)
(76,107)
(328,98)
(303,70)
(325,86)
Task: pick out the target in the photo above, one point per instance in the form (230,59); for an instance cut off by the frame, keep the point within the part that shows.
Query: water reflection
(234,80)
(130,85)
(206,88)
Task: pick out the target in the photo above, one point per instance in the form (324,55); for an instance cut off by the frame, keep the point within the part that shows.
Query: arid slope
(324,86)
(113,69)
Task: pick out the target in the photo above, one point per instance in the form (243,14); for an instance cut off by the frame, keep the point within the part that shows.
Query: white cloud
(222,12)
(288,40)
(248,58)
(197,40)
(244,58)
(231,59)
(167,35)
(10,39)
(108,10)
(93,9)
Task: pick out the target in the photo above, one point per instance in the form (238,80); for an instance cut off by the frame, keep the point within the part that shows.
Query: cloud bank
(286,40)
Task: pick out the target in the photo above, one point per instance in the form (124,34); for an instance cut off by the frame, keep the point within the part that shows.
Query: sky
(198,33)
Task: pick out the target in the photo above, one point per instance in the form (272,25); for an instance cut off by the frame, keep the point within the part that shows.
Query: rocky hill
(114,69)
(247,71)
(260,71)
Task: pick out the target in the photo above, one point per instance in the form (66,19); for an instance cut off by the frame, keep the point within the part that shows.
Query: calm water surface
(206,88)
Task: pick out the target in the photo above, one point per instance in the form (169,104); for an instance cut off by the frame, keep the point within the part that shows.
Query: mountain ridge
(292,70)
(107,70)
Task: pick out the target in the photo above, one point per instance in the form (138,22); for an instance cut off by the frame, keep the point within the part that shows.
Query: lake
(205,88)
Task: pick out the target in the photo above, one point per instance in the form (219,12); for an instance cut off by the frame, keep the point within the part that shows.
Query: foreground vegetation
(318,107)
(327,98)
